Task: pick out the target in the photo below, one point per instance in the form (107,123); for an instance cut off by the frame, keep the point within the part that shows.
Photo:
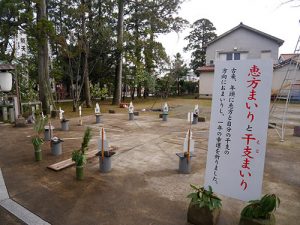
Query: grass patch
(178,105)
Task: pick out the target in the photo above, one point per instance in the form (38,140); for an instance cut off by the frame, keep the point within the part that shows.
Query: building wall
(207,78)
(278,77)
(191,76)
(243,41)
(206,83)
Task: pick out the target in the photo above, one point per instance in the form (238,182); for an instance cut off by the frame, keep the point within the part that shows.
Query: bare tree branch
(297,2)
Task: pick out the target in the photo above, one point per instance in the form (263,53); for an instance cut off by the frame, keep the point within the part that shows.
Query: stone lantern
(6,77)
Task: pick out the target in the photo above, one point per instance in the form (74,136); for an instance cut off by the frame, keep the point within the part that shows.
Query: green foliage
(179,69)
(57,71)
(98,92)
(172,83)
(79,155)
(144,55)
(165,86)
(261,209)
(27,90)
(203,31)
(43,30)
(149,82)
(38,127)
(37,142)
(11,18)
(174,79)
(87,29)
(188,87)
(68,37)
(204,198)
(86,139)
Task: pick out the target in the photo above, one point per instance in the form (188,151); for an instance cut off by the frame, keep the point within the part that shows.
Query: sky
(269,16)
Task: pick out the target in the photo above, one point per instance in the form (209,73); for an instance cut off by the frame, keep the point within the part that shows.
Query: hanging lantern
(5,81)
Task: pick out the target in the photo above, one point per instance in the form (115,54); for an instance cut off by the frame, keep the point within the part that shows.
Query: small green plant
(79,156)
(204,198)
(261,209)
(37,142)
(39,124)
(38,127)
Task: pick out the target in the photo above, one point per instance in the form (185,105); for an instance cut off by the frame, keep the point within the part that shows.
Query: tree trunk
(132,93)
(146,92)
(87,93)
(124,91)
(139,90)
(43,62)
(138,52)
(178,87)
(118,77)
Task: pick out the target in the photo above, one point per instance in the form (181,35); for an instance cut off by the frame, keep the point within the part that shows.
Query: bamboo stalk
(50,133)
(188,147)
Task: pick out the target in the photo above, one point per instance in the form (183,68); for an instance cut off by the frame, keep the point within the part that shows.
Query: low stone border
(16,209)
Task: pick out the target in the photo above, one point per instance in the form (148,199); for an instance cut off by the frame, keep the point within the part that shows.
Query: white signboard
(21,44)
(238,129)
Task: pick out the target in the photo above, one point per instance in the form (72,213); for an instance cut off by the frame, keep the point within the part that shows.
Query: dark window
(233,56)
(228,56)
(237,56)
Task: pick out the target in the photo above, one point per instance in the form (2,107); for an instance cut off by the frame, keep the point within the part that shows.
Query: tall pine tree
(203,31)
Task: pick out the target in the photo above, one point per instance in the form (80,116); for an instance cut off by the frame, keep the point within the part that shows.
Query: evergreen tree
(145,20)
(84,42)
(12,17)
(203,31)
(85,45)
(179,71)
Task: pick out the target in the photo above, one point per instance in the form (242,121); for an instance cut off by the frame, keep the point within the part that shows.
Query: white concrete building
(244,42)
(287,64)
